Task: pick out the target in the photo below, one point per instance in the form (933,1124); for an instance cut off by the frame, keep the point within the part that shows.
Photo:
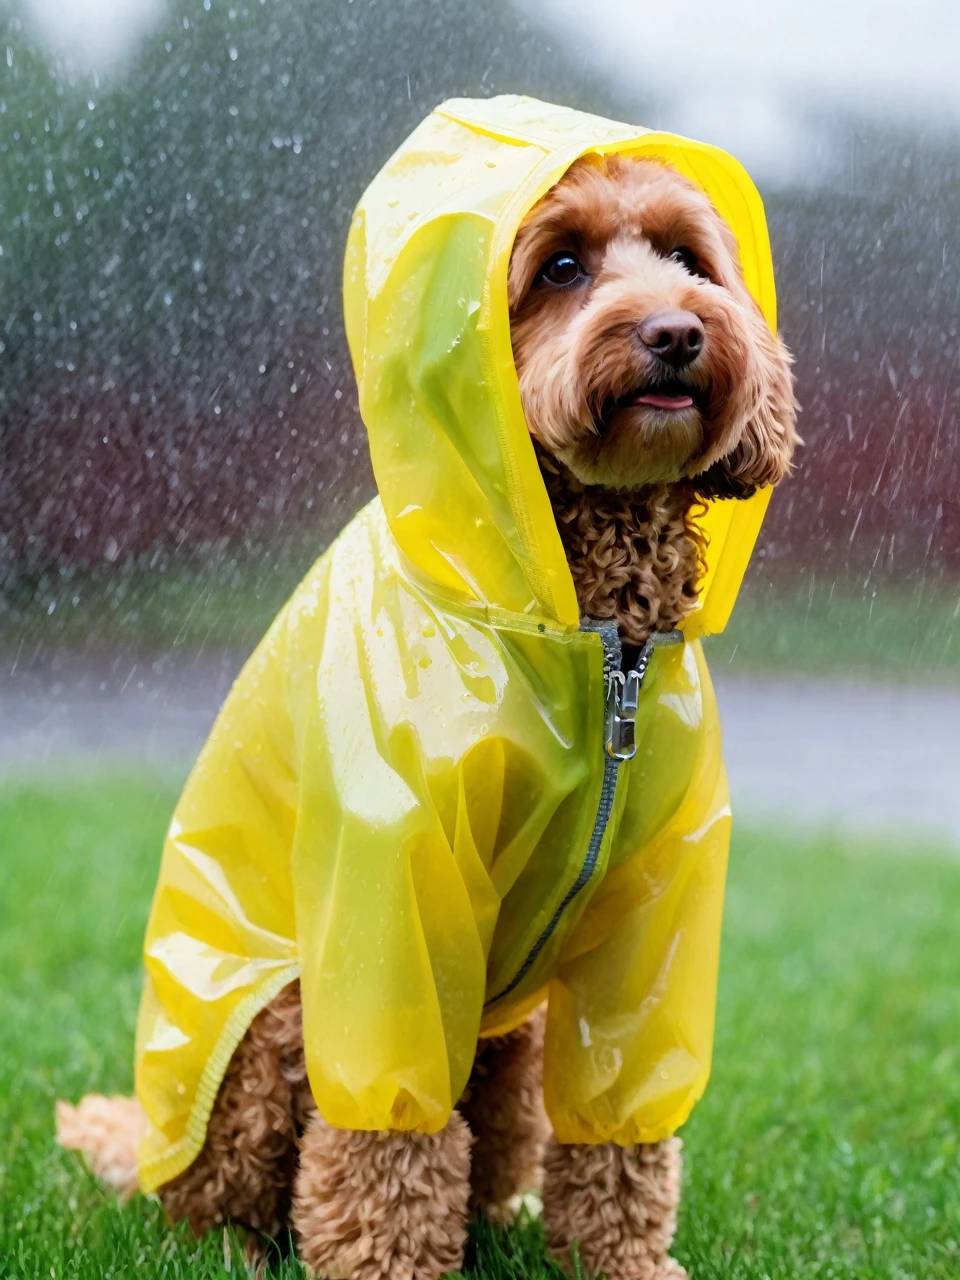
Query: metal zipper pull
(623,700)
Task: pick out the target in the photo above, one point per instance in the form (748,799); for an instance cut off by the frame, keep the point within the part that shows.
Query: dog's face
(641,355)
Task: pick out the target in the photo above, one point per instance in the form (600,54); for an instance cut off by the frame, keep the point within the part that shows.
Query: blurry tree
(869,288)
(173,370)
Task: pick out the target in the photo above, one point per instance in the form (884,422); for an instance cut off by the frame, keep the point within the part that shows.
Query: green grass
(828,1144)
(828,627)
(815,625)
(225,602)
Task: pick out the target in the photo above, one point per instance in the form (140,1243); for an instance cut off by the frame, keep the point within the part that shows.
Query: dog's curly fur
(246,1169)
(636,558)
(503,1105)
(369,1206)
(627,481)
(627,478)
(108,1132)
(647,246)
(619,1205)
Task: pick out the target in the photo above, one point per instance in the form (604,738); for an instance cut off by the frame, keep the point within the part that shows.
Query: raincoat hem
(500,1022)
(573,1129)
(157,1170)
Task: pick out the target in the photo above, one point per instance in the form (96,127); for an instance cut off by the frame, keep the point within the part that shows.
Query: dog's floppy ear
(764,453)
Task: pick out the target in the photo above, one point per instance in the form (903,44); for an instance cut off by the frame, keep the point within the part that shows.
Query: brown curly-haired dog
(650,381)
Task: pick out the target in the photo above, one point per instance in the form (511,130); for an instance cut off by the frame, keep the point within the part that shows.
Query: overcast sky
(748,74)
(745,73)
(93,33)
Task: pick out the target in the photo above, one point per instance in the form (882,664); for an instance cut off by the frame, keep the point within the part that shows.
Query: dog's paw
(382,1206)
(107,1132)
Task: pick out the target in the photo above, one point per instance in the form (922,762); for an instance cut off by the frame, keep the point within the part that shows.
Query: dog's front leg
(382,1205)
(618,1203)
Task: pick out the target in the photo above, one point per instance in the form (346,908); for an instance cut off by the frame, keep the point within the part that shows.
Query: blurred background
(179,434)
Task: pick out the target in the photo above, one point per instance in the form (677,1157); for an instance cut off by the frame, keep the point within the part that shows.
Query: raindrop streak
(172,249)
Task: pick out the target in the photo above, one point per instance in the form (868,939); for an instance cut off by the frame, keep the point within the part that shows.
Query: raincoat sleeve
(219,942)
(631,1009)
(390,884)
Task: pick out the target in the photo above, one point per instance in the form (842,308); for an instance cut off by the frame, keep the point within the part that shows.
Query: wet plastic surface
(399,792)
(826,753)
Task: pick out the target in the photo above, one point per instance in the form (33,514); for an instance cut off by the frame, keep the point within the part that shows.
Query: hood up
(425,293)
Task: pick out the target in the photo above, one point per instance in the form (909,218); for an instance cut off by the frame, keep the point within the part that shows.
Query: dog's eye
(689,261)
(562,269)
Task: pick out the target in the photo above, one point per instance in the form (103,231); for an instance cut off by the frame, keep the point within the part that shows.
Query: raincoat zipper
(621,698)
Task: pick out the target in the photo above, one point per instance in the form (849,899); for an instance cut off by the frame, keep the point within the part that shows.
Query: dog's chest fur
(635,558)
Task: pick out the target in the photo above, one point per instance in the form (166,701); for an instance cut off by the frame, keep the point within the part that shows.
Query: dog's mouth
(670,401)
(667,397)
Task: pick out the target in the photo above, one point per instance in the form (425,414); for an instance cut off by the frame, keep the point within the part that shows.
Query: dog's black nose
(675,336)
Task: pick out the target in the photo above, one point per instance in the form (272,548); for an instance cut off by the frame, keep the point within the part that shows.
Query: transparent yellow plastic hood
(428,327)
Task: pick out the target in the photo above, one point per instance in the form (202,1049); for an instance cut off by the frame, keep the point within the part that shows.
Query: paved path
(822,754)
(856,757)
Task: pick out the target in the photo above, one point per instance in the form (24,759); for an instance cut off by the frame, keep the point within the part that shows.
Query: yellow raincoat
(406,800)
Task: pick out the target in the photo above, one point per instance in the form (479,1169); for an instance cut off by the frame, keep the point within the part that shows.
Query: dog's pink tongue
(665,402)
